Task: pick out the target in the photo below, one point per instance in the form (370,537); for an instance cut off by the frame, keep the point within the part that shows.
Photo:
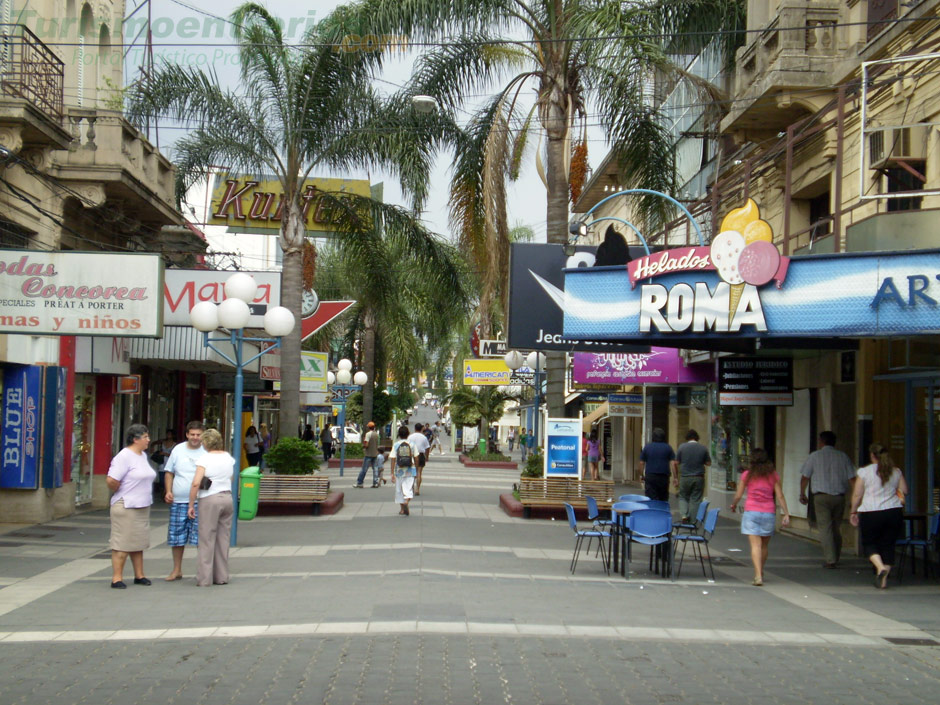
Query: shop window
(899,180)
(732,438)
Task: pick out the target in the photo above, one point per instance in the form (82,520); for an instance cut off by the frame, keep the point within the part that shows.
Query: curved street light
(233,314)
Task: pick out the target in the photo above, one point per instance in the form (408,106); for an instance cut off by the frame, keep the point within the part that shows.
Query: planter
(505,465)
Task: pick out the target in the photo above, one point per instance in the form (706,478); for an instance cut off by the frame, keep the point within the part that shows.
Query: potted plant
(292,456)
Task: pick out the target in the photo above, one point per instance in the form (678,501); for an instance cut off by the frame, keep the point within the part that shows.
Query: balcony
(798,49)
(118,164)
(32,82)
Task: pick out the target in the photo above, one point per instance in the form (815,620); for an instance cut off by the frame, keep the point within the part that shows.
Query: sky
(185,32)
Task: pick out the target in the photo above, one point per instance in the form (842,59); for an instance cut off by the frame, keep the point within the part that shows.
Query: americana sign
(81,293)
(726,292)
(256,204)
(486,372)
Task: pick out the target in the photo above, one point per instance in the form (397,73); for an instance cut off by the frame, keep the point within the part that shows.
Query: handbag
(157,457)
(205,484)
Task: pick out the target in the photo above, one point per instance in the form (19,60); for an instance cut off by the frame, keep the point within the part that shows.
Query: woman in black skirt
(878,510)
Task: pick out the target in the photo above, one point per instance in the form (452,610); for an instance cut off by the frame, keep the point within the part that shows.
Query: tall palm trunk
(368,364)
(292,241)
(554,118)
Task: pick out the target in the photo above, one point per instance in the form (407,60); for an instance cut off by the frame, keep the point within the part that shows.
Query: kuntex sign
(742,287)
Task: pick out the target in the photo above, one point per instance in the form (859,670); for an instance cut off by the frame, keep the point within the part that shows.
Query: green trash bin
(249,484)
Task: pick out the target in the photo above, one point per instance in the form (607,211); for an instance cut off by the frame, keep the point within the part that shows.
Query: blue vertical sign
(53,427)
(563,448)
(22,387)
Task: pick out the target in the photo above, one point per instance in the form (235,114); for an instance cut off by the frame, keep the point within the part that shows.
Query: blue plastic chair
(693,526)
(699,540)
(580,535)
(912,543)
(620,512)
(633,498)
(658,504)
(594,516)
(651,527)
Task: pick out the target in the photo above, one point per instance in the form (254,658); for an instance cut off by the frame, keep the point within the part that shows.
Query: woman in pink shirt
(757,522)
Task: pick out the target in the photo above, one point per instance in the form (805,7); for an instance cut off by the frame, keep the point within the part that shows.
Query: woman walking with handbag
(878,510)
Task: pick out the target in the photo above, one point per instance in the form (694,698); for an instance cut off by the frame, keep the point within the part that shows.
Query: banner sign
(535,323)
(845,295)
(658,366)
(255,204)
(562,448)
(53,426)
(486,372)
(184,288)
(755,381)
(313,369)
(22,417)
(81,293)
(625,405)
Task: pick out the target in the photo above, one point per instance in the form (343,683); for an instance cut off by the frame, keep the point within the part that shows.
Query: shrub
(292,456)
(534,464)
(353,450)
(475,454)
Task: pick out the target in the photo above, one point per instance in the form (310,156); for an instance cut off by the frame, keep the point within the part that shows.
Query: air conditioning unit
(888,147)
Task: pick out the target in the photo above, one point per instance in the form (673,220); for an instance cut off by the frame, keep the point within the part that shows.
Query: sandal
(881,580)
(757,582)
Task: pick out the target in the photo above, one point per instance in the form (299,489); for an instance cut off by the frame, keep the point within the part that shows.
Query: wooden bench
(296,489)
(556,491)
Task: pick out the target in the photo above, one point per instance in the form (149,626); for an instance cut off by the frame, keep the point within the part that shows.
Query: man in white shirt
(833,476)
(420,446)
(180,470)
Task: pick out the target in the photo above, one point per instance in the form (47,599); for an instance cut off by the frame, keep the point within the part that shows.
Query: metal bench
(557,491)
(294,489)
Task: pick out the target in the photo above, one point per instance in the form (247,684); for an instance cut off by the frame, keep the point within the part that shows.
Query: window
(900,180)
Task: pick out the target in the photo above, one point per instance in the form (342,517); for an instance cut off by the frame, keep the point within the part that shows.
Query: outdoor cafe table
(619,545)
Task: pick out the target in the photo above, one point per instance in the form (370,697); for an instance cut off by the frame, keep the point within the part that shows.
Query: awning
(184,344)
(600,412)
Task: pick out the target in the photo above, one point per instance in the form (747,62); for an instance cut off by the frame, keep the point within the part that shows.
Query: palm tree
(469,407)
(299,109)
(583,58)
(410,288)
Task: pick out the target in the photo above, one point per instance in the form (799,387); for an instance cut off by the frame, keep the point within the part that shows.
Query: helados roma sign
(741,286)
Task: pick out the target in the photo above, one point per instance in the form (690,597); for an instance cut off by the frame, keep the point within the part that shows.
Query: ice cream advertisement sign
(740,286)
(743,256)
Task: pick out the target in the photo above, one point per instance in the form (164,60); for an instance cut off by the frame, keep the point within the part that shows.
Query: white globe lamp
(233,314)
(330,378)
(424,103)
(344,364)
(513,359)
(343,376)
(204,316)
(535,360)
(241,286)
(360,378)
(278,322)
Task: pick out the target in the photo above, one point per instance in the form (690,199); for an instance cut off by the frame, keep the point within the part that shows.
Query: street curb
(331,505)
(511,505)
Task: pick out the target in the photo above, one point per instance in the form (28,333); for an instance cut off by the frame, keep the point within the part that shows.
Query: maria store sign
(741,286)
(80,293)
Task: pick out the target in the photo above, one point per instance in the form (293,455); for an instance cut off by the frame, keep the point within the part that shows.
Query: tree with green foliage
(471,408)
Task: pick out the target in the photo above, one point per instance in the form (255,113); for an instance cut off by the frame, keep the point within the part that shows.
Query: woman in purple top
(594,456)
(764,492)
(130,478)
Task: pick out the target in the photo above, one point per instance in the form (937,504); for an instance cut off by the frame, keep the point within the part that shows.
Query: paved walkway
(457,603)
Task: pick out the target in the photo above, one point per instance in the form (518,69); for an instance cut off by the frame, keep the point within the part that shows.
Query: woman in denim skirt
(759,518)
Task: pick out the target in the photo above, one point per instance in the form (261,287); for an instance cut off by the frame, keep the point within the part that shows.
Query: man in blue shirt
(655,462)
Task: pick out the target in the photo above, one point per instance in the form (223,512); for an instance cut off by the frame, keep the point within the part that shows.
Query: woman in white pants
(215,510)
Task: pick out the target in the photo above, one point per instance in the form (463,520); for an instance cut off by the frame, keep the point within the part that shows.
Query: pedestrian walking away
(594,455)
(512,438)
(758,521)
(130,478)
(180,472)
(370,453)
(878,510)
(655,462)
(829,474)
(404,470)
(688,471)
(436,432)
(523,445)
(420,446)
(265,441)
(212,486)
(326,442)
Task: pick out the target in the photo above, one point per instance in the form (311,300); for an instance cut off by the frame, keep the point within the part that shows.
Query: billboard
(22,421)
(535,322)
(255,204)
(492,371)
(184,288)
(658,366)
(562,448)
(81,293)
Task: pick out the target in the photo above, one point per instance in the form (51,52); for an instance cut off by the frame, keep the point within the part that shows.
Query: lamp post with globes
(535,361)
(341,391)
(233,315)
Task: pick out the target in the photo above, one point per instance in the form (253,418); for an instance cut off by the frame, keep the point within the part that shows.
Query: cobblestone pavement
(457,603)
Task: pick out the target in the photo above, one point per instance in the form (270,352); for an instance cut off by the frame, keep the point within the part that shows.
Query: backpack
(403,455)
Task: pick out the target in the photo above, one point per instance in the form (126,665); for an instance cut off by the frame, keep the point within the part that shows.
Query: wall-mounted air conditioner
(887,147)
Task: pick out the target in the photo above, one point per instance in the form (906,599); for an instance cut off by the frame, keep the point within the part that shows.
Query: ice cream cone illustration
(743,252)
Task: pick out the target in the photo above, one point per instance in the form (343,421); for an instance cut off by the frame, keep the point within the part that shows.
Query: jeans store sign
(81,293)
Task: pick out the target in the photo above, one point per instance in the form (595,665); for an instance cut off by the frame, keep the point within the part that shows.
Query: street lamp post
(535,361)
(233,314)
(341,391)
